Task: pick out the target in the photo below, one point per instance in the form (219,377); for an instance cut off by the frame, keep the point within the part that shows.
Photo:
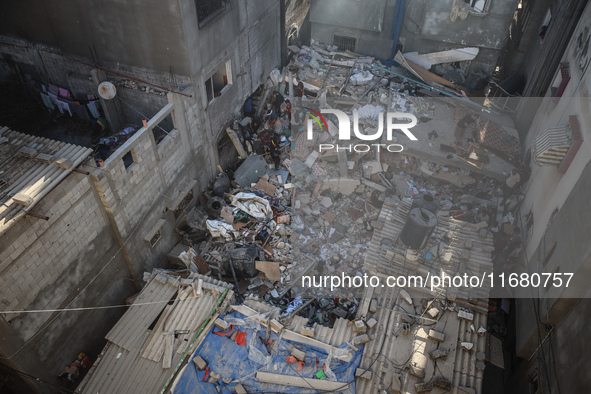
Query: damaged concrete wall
(369,23)
(556,201)
(97,231)
(38,64)
(141,33)
(71,261)
(427,27)
(245,37)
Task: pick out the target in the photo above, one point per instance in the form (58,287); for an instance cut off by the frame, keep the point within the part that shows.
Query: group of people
(265,134)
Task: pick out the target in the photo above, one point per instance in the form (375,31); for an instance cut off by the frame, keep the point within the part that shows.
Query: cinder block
(222,324)
(360,339)
(436,335)
(438,353)
(239,389)
(442,383)
(363,374)
(23,199)
(371,323)
(298,354)
(200,363)
(359,327)
(27,152)
(433,313)
(423,387)
(465,315)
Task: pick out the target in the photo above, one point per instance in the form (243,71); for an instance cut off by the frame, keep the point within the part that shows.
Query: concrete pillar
(109,108)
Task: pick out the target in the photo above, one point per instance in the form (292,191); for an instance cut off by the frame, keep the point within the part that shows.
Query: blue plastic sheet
(231,361)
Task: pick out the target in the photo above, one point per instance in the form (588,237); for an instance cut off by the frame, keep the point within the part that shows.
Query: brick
(222,324)
(360,339)
(25,151)
(465,315)
(438,353)
(200,362)
(442,383)
(371,323)
(239,389)
(298,354)
(359,327)
(423,387)
(309,332)
(362,373)
(433,313)
(436,335)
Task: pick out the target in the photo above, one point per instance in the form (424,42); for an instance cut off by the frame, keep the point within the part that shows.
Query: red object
(225,334)
(300,366)
(291,359)
(206,374)
(241,338)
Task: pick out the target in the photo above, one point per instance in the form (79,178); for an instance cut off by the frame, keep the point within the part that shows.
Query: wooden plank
(239,148)
(270,269)
(167,360)
(296,381)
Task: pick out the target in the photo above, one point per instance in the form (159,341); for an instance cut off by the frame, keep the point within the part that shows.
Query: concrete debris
(200,363)
(467,345)
(371,323)
(222,324)
(359,327)
(423,387)
(438,353)
(465,315)
(298,354)
(363,374)
(436,335)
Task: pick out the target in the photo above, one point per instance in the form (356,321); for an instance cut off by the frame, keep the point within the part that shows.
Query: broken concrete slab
(345,186)
(300,355)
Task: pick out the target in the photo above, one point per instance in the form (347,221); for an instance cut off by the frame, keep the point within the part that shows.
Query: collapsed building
(229,311)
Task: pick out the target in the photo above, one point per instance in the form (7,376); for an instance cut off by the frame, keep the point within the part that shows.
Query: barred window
(344,42)
(207,10)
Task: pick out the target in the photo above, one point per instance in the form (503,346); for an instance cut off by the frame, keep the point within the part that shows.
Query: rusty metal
(38,216)
(132,78)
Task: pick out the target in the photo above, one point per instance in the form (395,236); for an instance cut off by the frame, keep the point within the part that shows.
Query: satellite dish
(107,90)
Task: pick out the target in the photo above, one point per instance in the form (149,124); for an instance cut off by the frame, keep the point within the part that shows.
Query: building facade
(109,224)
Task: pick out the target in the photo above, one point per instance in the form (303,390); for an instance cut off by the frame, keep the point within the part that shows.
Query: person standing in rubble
(277,100)
(271,142)
(510,185)
(300,91)
(463,124)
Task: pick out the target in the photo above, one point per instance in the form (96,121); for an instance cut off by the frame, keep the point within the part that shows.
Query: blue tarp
(232,362)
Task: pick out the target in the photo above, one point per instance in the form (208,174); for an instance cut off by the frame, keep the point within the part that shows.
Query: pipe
(132,78)
(396,27)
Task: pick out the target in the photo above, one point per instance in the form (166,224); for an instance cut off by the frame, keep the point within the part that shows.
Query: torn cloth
(217,228)
(255,206)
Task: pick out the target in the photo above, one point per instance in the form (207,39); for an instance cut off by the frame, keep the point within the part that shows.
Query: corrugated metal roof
(29,174)
(398,350)
(139,367)
(387,255)
(391,351)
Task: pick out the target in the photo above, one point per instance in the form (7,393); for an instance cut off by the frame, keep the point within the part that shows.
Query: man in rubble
(463,124)
(271,142)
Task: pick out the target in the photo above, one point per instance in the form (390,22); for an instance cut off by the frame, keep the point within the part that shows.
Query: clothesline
(54,96)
